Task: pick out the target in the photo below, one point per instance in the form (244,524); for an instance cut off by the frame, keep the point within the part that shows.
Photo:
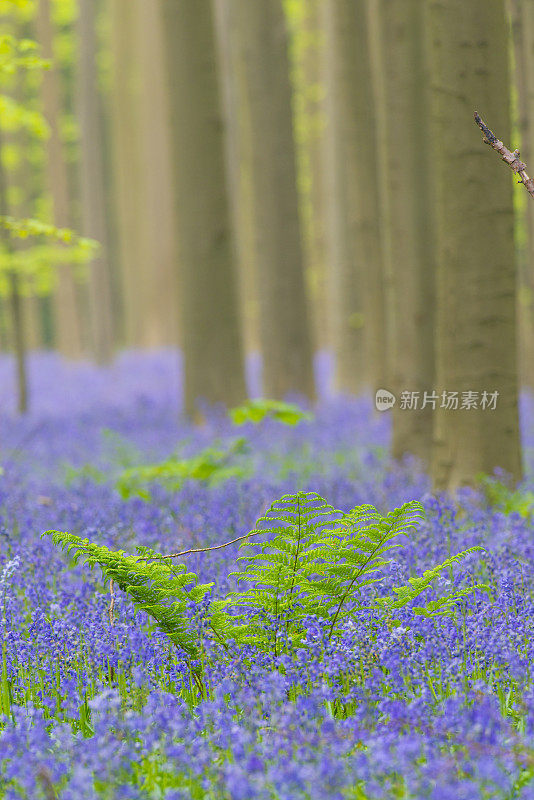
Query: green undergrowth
(303,559)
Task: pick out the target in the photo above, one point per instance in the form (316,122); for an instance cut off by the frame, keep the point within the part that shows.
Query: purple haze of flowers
(100,708)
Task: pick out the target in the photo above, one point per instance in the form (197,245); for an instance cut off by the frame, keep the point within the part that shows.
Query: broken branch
(511,158)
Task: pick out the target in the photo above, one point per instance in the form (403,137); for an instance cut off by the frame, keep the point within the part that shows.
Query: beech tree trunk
(15,299)
(523,37)
(160,325)
(476,277)
(285,329)
(212,345)
(66,307)
(408,219)
(126,166)
(306,49)
(239,160)
(358,312)
(92,191)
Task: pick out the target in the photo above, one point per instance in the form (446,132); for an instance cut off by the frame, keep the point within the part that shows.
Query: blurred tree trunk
(354,235)
(239,159)
(20,180)
(408,218)
(306,49)
(476,281)
(523,37)
(14,298)
(126,164)
(158,242)
(93,197)
(214,367)
(285,328)
(66,310)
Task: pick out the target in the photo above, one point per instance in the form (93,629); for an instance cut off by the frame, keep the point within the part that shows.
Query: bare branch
(202,549)
(112,604)
(511,158)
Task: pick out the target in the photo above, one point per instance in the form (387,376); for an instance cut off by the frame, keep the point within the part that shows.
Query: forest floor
(95,701)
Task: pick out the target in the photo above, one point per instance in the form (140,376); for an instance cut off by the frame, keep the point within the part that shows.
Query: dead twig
(511,158)
(112,604)
(201,549)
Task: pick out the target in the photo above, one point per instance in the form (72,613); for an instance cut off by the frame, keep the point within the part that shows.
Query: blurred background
(292,194)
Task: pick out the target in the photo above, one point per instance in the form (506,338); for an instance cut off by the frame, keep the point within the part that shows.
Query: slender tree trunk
(408,219)
(358,311)
(239,160)
(15,301)
(476,280)
(66,312)
(213,353)
(126,165)
(93,203)
(306,40)
(523,37)
(158,245)
(344,286)
(285,328)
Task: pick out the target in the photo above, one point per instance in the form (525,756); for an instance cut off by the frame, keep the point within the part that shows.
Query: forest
(266,399)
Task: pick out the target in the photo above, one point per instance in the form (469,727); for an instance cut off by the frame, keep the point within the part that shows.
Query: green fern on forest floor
(212,465)
(312,560)
(257,410)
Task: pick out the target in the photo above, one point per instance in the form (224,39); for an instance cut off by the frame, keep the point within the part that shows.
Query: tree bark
(66,308)
(239,160)
(126,167)
(358,312)
(92,191)
(285,328)
(408,219)
(523,37)
(15,300)
(212,345)
(306,50)
(476,278)
(158,244)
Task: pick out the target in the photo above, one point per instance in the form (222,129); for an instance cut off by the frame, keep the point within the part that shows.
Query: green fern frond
(258,409)
(311,559)
(415,587)
(211,465)
(160,590)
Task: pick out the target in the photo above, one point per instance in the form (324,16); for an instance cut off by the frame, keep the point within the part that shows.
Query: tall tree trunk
(356,254)
(523,36)
(476,281)
(285,328)
(213,353)
(158,245)
(66,311)
(408,220)
(126,166)
(15,300)
(344,285)
(306,40)
(239,159)
(93,198)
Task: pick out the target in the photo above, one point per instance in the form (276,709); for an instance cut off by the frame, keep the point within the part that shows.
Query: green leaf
(257,410)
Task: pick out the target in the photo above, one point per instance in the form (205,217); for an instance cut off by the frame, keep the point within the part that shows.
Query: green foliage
(257,410)
(505,499)
(312,559)
(37,265)
(85,472)
(16,117)
(161,590)
(210,466)
(18,54)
